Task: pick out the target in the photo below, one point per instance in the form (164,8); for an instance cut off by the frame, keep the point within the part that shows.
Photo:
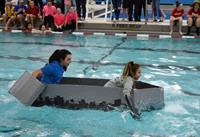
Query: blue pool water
(171,63)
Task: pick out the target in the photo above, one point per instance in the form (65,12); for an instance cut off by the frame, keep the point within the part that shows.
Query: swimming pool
(170,63)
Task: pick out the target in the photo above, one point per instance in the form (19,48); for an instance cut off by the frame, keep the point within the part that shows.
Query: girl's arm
(36,73)
(128,86)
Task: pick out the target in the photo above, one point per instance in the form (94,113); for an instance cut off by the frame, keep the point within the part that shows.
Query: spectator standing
(142,6)
(130,9)
(156,10)
(137,10)
(81,6)
(116,5)
(62,6)
(74,4)
(125,8)
(67,5)
(163,14)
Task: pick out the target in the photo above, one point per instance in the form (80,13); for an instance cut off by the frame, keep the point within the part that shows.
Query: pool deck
(129,27)
(126,27)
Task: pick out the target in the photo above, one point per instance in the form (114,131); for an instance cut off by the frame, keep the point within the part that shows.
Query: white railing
(91,8)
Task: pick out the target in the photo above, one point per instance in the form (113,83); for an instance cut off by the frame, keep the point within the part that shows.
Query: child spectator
(71,21)
(32,13)
(42,30)
(20,14)
(9,12)
(59,20)
(48,12)
(194,17)
(29,27)
(177,17)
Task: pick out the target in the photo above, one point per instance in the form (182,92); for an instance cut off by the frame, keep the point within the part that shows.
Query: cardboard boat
(79,93)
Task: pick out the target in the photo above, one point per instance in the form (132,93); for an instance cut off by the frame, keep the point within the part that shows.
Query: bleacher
(99,16)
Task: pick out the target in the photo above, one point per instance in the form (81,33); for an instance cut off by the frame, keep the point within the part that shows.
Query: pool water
(170,63)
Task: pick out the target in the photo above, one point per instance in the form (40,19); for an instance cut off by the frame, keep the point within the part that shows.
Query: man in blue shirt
(53,72)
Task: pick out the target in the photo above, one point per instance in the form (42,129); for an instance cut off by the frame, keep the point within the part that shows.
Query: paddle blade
(131,106)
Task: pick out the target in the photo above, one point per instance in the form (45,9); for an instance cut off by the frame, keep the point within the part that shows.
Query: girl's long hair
(130,69)
(59,55)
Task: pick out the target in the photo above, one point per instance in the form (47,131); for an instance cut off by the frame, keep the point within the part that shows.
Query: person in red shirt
(71,21)
(177,17)
(59,20)
(32,13)
(194,17)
